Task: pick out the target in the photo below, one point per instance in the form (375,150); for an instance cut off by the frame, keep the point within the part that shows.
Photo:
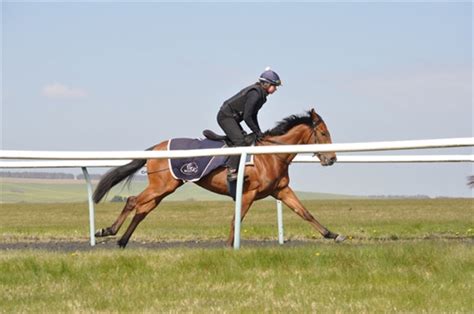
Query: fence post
(91,205)
(280,222)
(238,200)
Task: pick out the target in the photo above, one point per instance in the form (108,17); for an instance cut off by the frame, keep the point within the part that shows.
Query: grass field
(402,255)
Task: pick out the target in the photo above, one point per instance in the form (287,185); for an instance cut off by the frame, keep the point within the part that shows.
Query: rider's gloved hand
(259,136)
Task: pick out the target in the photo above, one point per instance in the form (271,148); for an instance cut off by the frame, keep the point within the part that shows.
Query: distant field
(401,256)
(17,190)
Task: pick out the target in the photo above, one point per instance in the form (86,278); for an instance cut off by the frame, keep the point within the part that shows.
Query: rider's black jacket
(245,105)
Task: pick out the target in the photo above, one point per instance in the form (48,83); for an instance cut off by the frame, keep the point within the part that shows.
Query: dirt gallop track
(71,246)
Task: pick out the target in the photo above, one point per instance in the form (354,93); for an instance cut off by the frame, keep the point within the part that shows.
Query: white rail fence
(254,150)
(84,160)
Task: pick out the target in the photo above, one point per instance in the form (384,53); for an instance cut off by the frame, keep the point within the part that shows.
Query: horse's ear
(315,117)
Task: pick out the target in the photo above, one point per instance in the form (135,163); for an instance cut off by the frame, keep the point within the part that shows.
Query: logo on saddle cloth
(190,168)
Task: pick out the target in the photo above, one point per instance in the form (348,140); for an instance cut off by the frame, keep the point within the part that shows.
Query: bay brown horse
(268,176)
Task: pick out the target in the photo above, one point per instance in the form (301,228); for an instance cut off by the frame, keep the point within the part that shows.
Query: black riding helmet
(270,76)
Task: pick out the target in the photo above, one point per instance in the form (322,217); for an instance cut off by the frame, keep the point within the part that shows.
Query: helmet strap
(265,85)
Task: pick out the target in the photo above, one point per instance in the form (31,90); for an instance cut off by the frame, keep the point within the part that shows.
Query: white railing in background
(55,159)
(254,150)
(356,159)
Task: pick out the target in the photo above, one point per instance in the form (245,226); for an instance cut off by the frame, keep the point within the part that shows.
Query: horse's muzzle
(327,160)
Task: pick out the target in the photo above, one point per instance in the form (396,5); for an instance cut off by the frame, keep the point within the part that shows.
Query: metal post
(91,205)
(238,200)
(280,222)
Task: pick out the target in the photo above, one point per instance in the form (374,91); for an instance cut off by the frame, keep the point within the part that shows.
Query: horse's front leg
(247,201)
(287,196)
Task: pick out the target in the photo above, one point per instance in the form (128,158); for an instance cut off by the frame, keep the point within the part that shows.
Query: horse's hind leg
(112,230)
(147,201)
(142,210)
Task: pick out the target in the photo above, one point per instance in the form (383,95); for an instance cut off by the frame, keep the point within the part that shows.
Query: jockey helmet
(270,76)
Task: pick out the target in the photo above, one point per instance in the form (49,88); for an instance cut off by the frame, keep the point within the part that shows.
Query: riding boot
(232,167)
(231,174)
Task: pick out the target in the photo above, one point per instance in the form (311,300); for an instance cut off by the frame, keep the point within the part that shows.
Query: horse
(267,177)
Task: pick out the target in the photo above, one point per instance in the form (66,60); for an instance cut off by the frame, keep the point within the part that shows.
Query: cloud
(61,91)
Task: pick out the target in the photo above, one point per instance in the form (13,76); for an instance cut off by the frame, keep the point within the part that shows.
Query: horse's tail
(117,175)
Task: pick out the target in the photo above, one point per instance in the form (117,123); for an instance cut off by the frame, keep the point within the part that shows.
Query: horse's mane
(286,124)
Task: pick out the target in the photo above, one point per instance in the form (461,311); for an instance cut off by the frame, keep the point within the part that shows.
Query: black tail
(117,175)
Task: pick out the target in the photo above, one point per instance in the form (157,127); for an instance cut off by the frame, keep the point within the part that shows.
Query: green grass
(430,276)
(403,255)
(360,219)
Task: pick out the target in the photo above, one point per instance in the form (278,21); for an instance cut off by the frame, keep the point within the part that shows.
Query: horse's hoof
(100,233)
(122,244)
(330,235)
(105,232)
(340,238)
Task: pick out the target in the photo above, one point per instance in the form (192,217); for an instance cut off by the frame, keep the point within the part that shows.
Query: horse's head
(321,135)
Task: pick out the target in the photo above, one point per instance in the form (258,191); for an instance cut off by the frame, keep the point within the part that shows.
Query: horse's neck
(297,135)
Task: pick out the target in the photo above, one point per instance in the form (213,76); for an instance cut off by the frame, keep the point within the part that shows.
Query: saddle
(194,168)
(213,136)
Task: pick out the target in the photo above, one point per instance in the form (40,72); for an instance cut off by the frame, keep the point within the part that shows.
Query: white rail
(298,159)
(391,158)
(311,148)
(59,159)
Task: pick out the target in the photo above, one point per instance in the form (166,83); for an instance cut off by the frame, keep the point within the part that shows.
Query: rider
(244,106)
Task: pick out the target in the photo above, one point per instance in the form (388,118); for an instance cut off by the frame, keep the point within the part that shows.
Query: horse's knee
(131,202)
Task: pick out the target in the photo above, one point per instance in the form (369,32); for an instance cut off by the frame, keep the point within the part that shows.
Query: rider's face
(271,89)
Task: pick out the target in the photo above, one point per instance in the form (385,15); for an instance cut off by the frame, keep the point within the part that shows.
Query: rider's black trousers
(235,133)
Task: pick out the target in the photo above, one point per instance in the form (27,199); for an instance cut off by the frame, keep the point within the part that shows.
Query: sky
(99,76)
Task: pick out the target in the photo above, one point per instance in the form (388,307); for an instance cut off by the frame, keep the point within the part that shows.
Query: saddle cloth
(194,168)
